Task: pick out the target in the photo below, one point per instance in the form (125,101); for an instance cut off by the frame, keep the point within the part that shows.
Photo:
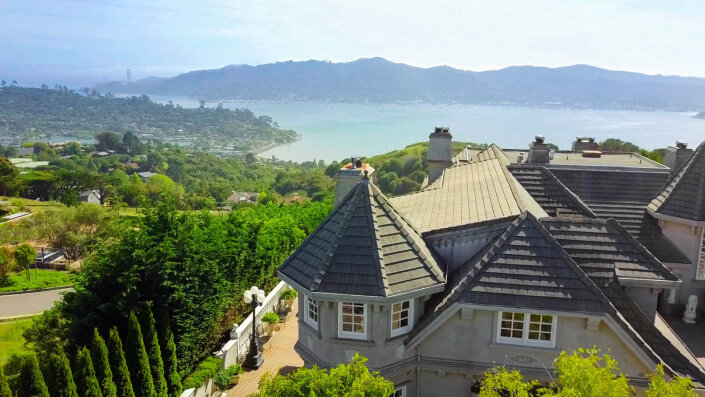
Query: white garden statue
(689,313)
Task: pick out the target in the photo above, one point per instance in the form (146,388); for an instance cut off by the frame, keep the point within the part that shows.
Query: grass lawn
(41,279)
(11,340)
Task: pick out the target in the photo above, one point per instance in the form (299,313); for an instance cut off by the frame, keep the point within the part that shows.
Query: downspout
(418,370)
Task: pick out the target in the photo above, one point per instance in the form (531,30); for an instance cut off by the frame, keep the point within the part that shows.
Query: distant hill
(378,80)
(700,115)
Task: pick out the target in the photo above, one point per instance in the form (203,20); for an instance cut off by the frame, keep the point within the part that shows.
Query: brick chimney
(677,155)
(539,152)
(439,156)
(349,176)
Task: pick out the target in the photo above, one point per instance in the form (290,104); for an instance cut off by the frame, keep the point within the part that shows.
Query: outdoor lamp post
(254,296)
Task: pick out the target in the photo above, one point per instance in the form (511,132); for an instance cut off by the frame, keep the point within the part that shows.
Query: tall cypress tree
(31,381)
(151,344)
(168,347)
(86,382)
(101,365)
(60,380)
(137,360)
(4,387)
(121,375)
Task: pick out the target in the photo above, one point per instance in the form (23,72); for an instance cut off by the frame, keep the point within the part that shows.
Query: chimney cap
(539,139)
(584,139)
(681,144)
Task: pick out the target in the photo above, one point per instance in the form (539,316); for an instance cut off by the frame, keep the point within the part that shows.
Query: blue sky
(84,42)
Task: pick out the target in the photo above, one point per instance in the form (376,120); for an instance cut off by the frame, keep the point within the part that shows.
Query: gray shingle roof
(549,192)
(525,267)
(604,249)
(684,195)
(364,247)
(623,196)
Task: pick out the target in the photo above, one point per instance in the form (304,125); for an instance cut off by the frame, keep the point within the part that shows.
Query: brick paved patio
(279,355)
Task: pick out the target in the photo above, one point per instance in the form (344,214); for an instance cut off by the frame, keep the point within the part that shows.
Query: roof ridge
(473,266)
(320,274)
(571,196)
(669,190)
(307,241)
(402,224)
(640,247)
(371,211)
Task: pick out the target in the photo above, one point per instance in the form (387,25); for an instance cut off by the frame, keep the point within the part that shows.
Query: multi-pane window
(402,317)
(311,316)
(352,319)
(526,328)
(700,271)
(400,391)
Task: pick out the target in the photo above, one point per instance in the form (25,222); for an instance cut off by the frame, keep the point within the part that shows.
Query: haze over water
(333,131)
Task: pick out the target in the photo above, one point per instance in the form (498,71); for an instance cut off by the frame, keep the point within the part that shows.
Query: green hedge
(206,369)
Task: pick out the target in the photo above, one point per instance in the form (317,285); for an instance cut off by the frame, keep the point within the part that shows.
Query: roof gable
(684,194)
(525,268)
(363,248)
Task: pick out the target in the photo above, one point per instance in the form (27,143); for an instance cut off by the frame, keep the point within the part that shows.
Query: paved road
(30,303)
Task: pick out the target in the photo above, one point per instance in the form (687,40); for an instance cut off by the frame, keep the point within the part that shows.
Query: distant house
(243,197)
(146,175)
(90,196)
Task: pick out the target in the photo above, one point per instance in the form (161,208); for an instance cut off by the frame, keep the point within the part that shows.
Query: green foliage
(617,145)
(48,332)
(403,171)
(151,344)
(677,387)
(8,173)
(30,381)
(587,373)
(25,255)
(503,382)
(5,266)
(101,364)
(59,377)
(74,230)
(4,386)
(168,348)
(353,379)
(287,294)
(195,265)
(86,381)
(205,370)
(118,365)
(270,318)
(224,378)
(41,278)
(137,360)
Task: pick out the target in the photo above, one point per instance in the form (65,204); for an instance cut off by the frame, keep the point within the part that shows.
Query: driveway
(29,303)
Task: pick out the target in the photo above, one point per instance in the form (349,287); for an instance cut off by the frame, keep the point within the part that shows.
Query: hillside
(377,80)
(34,114)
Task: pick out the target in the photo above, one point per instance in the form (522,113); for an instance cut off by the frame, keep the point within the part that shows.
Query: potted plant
(288,296)
(271,319)
(227,378)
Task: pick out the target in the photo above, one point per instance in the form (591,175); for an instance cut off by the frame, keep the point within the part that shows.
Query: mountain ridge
(377,80)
